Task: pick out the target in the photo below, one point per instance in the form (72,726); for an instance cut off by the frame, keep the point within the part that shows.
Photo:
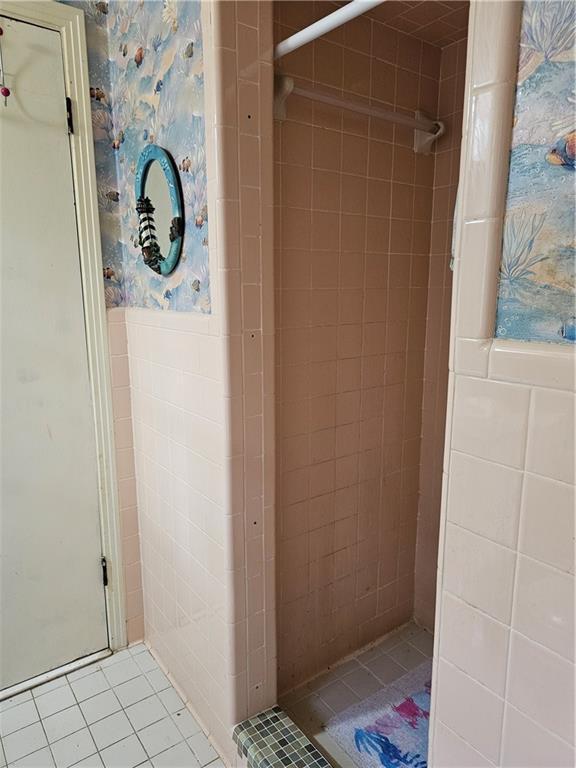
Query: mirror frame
(153,153)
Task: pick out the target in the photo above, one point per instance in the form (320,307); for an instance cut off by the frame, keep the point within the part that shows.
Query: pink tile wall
(446,171)
(123,438)
(354,205)
(242,189)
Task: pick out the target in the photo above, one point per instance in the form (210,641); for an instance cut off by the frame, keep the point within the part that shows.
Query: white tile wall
(551,436)
(181,482)
(549,537)
(503,692)
(453,752)
(490,420)
(541,686)
(544,606)
(475,643)
(492,494)
(470,710)
(473,567)
(527,745)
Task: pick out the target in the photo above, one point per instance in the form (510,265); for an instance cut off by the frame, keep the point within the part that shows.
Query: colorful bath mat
(389,729)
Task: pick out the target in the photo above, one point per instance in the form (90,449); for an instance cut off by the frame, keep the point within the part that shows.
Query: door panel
(52,603)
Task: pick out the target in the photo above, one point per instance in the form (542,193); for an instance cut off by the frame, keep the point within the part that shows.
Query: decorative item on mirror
(159,205)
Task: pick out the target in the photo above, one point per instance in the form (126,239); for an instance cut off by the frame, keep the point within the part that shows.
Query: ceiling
(439,22)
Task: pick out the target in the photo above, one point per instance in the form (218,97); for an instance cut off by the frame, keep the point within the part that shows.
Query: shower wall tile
(451,64)
(548,539)
(353,212)
(527,744)
(475,643)
(505,579)
(480,721)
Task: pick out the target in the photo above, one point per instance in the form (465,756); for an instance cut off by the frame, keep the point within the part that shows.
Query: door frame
(69,22)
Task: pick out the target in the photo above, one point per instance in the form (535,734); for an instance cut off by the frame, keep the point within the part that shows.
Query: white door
(52,602)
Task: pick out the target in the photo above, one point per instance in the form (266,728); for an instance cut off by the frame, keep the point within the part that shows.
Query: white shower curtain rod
(322,26)
(418,123)
(285,87)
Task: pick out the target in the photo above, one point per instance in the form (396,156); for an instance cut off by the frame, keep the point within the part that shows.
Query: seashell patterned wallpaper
(537,294)
(147,86)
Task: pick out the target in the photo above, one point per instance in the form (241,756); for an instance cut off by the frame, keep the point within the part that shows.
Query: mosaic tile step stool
(271,740)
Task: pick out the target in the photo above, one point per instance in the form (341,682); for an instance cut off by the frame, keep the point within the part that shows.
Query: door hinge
(69,114)
(104,565)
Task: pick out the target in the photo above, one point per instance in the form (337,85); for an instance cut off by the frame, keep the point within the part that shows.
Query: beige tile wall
(124,442)
(503,692)
(354,206)
(446,171)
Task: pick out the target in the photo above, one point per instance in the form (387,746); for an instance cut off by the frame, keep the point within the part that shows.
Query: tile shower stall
(363,235)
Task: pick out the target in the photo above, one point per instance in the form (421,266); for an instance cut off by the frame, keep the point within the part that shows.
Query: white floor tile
(180,756)
(146,661)
(122,672)
(63,723)
(203,750)
(116,658)
(171,700)
(424,641)
(114,708)
(186,723)
(219,763)
(124,754)
(138,648)
(158,680)
(110,730)
(73,748)
(18,717)
(133,691)
(100,706)
(83,672)
(338,696)
(55,701)
(362,682)
(311,713)
(24,742)
(89,686)
(52,685)
(94,761)
(407,656)
(40,759)
(15,700)
(386,669)
(159,736)
(146,712)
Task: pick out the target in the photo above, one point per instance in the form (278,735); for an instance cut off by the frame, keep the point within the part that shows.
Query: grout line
(45,734)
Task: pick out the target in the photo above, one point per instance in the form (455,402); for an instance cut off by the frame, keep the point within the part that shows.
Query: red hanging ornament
(4,90)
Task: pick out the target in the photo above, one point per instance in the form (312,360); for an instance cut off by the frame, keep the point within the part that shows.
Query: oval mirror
(160,209)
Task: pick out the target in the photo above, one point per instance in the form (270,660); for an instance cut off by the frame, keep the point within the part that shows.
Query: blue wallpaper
(537,300)
(147,85)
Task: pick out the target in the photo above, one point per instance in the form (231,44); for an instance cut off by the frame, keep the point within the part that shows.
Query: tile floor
(357,678)
(118,713)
